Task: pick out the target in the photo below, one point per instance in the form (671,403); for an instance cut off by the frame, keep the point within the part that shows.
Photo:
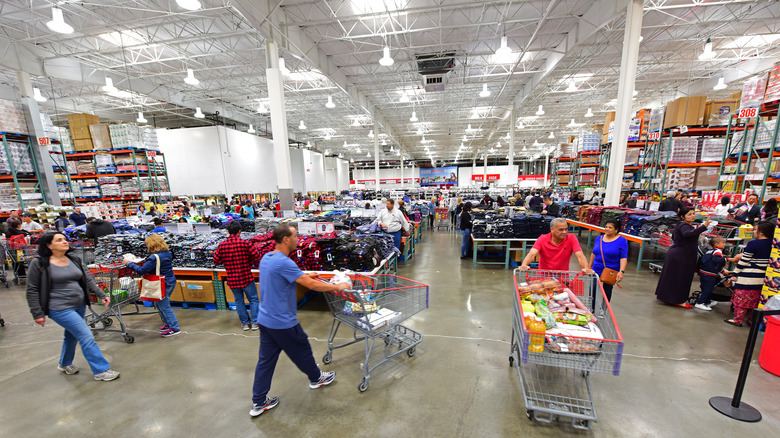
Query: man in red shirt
(555,249)
(239,256)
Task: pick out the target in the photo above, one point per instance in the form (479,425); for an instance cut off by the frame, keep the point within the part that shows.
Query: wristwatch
(622,272)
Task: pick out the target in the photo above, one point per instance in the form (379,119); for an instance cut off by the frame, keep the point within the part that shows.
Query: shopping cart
(375,308)
(121,285)
(443,219)
(84,250)
(6,261)
(21,251)
(556,380)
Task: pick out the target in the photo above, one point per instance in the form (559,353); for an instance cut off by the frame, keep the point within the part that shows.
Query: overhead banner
(436,176)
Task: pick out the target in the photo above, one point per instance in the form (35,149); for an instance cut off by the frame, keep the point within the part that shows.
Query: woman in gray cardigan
(58,287)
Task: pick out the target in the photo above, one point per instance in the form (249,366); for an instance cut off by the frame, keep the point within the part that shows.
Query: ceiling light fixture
(330,103)
(552,135)
(589,113)
(251,129)
(485,92)
(57,23)
(414,117)
(521,125)
(109,87)
(524,148)
(198,113)
(140,118)
(327,136)
(345,144)
(308,143)
(465,138)
(371,134)
(191,79)
(302,126)
(503,54)
(190,5)
(38,96)
(261,109)
(707,53)
(355,122)
(404,97)
(386,60)
(572,87)
(719,86)
(540,111)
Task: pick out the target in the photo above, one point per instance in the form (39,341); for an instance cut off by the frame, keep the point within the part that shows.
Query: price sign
(44,141)
(325,228)
(288,213)
(356,213)
(308,228)
(654,136)
(656,180)
(150,155)
(654,205)
(683,129)
(640,203)
(747,112)
(728,178)
(754,176)
(266,214)
(183,228)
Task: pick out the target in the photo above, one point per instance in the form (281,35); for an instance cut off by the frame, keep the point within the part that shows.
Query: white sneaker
(69,369)
(107,375)
(702,306)
(712,303)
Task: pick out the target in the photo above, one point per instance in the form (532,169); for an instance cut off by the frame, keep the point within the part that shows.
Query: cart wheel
(107,322)
(129,339)
(363,386)
(410,352)
(16,281)
(2,322)
(511,361)
(92,325)
(327,358)
(530,414)
(6,284)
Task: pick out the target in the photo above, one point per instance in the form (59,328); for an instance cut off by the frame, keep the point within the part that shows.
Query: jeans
(397,239)
(166,312)
(707,283)
(465,247)
(76,330)
(292,341)
(251,294)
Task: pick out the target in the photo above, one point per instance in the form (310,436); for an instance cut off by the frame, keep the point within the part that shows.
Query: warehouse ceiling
(563,55)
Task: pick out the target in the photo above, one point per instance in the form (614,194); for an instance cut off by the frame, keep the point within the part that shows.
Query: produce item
(544,313)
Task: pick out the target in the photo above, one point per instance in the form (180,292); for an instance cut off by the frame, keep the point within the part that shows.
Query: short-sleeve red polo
(556,258)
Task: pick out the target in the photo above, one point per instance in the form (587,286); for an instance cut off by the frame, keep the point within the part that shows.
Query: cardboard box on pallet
(101,136)
(198,291)
(79,125)
(772,94)
(688,111)
(609,119)
(82,145)
(230,298)
(718,112)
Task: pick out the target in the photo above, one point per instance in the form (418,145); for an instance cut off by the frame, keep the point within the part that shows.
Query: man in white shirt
(393,222)
(29,225)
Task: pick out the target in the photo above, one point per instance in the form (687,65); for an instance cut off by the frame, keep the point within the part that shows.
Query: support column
(43,161)
(403,184)
(617,159)
(484,170)
(512,119)
(279,126)
(376,158)
(546,167)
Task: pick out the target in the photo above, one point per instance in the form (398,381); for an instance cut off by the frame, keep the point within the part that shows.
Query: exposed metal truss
(333,47)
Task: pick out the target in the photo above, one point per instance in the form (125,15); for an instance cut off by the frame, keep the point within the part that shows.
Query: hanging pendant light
(552,136)
(57,23)
(191,79)
(109,87)
(302,126)
(251,129)
(190,5)
(540,111)
(485,92)
(371,134)
(707,53)
(330,103)
(414,117)
(386,60)
(140,118)
(198,113)
(589,113)
(38,96)
(720,85)
(404,97)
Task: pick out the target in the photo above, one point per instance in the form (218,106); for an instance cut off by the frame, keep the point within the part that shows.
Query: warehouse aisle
(459,382)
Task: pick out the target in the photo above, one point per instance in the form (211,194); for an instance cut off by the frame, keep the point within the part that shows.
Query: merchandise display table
(506,244)
(642,241)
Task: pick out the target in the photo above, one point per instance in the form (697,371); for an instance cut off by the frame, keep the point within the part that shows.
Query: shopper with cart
(30,225)
(555,249)
(610,252)
(749,211)
(277,316)
(238,256)
(58,287)
(749,273)
(160,254)
(465,229)
(674,285)
(392,221)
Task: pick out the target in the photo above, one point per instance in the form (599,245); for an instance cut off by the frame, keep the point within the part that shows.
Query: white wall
(508,175)
(314,171)
(342,181)
(298,172)
(331,174)
(249,165)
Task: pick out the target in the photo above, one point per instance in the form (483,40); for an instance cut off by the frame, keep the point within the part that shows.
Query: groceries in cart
(562,315)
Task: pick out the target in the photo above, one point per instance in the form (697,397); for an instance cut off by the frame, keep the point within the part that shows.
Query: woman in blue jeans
(465,230)
(611,251)
(58,287)
(162,255)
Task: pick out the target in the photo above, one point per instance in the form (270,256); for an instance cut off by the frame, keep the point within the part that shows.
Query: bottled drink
(537,341)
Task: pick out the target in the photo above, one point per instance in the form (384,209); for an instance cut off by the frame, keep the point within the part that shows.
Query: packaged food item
(544,313)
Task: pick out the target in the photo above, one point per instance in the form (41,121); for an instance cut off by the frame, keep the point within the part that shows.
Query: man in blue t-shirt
(77,217)
(277,316)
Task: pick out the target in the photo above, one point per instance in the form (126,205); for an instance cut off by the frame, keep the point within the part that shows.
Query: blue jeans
(397,239)
(166,312)
(708,283)
(76,330)
(251,294)
(465,247)
(292,341)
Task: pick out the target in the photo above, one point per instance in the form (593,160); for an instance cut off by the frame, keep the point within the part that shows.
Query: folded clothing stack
(662,221)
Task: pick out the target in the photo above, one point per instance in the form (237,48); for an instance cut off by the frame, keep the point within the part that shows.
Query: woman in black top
(59,288)
(465,230)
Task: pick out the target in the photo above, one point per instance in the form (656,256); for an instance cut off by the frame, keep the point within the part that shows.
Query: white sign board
(654,205)
(307,228)
(183,228)
(206,212)
(325,228)
(356,213)
(327,207)
(288,213)
(266,214)
(728,178)
(640,203)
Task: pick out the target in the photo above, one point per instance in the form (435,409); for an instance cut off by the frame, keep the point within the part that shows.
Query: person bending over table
(555,249)
(393,221)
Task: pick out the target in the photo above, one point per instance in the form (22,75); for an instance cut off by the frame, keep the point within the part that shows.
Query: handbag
(153,286)
(608,275)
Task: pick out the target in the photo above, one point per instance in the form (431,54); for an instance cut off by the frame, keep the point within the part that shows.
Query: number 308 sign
(747,112)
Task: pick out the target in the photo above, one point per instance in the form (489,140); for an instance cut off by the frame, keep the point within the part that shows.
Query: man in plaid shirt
(239,256)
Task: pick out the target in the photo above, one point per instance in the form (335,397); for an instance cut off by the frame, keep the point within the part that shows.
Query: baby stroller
(723,289)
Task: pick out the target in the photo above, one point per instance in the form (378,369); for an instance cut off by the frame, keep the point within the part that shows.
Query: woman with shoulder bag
(160,254)
(610,256)
(58,287)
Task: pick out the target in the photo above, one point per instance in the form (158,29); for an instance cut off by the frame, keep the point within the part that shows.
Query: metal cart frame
(120,284)
(443,219)
(357,309)
(557,383)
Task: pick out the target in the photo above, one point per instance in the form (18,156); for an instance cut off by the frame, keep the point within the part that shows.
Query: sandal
(731,321)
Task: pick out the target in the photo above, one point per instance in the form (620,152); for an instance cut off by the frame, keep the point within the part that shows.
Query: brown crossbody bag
(608,275)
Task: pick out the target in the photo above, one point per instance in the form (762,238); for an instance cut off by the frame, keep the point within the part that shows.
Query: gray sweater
(39,285)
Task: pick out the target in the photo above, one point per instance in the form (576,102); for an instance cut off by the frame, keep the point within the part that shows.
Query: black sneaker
(270,403)
(326,378)
(171,332)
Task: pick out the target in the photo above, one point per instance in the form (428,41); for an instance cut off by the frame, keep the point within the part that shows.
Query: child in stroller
(711,272)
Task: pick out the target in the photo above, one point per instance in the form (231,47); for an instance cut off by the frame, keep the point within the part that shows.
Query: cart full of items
(19,250)
(120,284)
(562,330)
(374,308)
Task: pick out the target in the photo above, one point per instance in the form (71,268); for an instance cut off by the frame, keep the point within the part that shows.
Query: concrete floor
(458,383)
